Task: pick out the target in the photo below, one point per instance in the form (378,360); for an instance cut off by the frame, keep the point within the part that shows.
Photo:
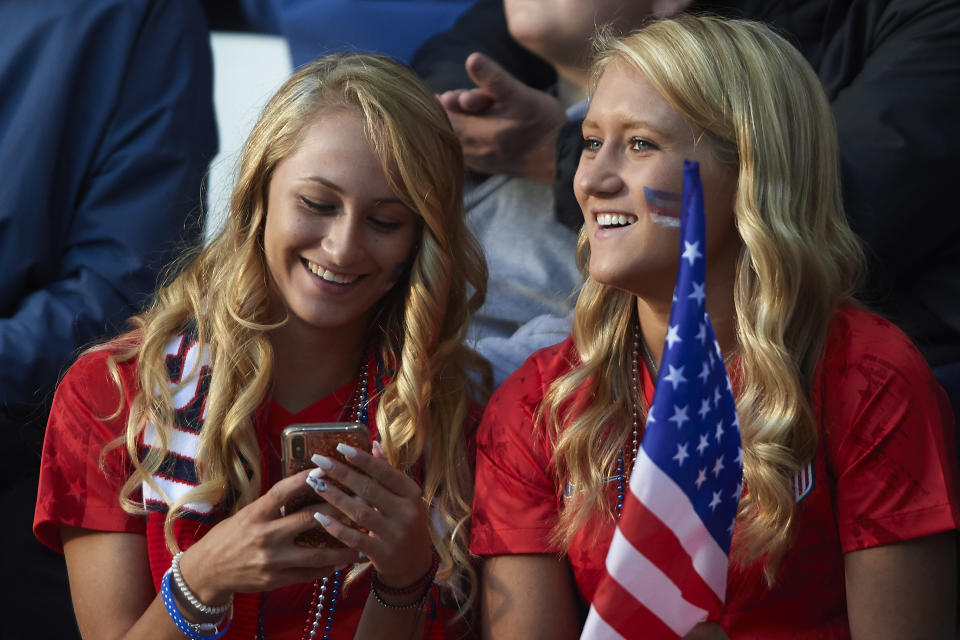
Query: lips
(331,276)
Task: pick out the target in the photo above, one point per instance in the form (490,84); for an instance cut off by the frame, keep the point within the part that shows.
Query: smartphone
(298,443)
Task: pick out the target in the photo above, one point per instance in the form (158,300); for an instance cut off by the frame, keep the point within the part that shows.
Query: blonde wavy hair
(763,109)
(225,293)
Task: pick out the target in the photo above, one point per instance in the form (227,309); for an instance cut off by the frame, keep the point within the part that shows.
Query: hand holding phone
(299,442)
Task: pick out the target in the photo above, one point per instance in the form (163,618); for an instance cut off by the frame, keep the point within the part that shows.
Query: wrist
(198,602)
(390,586)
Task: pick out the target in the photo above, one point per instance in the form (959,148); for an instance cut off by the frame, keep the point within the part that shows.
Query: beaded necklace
(359,413)
(623,475)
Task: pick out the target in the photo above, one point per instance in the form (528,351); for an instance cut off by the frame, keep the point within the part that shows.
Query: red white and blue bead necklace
(360,413)
(623,476)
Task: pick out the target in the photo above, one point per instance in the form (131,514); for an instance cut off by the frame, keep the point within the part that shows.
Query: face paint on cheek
(664,207)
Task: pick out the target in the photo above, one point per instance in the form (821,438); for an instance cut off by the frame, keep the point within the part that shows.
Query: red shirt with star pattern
(75,490)
(884,471)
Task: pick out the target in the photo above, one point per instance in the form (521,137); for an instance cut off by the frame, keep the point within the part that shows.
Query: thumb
(491,77)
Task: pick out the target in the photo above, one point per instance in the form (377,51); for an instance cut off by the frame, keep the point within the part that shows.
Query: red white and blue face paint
(664,207)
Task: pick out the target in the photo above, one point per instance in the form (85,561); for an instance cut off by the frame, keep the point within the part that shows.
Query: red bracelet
(420,585)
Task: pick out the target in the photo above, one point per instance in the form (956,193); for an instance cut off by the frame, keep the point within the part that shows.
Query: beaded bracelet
(191,630)
(424,581)
(199,608)
(417,604)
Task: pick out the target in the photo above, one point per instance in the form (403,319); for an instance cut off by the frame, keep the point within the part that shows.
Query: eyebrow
(333,186)
(627,124)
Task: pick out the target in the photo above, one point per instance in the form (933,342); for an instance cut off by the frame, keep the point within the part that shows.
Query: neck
(654,317)
(310,364)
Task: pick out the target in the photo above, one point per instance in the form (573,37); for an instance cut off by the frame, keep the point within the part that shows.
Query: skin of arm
(528,597)
(903,591)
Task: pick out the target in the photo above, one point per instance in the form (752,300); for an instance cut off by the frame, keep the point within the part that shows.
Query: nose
(343,242)
(597,176)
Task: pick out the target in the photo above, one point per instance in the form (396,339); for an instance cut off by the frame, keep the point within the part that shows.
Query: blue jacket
(106,131)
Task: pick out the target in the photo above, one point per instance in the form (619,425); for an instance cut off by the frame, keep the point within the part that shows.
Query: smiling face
(336,237)
(630,180)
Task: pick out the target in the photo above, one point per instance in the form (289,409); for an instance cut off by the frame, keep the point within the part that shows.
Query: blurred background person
(107,129)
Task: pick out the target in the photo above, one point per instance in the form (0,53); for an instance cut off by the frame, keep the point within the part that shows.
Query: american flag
(666,569)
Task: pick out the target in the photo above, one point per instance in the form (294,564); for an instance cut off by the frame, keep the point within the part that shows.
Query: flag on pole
(666,569)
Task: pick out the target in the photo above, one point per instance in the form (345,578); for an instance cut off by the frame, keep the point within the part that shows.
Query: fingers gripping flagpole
(666,569)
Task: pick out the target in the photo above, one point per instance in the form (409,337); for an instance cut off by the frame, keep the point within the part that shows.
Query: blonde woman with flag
(844,524)
(339,290)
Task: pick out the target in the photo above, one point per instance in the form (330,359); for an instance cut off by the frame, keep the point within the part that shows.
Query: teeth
(612,219)
(330,276)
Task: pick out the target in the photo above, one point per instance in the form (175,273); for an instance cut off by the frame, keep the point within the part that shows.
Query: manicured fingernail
(377,447)
(322,519)
(346,450)
(322,461)
(316,483)
(317,473)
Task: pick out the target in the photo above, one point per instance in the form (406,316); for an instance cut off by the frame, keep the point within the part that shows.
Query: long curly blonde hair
(764,110)
(225,292)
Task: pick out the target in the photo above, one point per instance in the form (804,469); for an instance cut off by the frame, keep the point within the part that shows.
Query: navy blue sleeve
(483,27)
(117,192)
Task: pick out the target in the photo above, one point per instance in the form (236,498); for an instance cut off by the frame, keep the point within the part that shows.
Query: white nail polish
(347,450)
(322,519)
(322,461)
(317,473)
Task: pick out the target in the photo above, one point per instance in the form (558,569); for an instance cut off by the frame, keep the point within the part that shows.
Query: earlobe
(669,8)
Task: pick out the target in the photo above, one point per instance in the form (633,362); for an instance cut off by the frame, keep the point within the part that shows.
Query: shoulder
(528,383)
(510,412)
(862,345)
(97,379)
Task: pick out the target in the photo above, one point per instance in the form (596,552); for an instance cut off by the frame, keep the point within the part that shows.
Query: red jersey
(74,489)
(884,471)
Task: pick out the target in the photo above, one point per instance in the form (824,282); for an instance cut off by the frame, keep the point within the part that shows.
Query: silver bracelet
(199,607)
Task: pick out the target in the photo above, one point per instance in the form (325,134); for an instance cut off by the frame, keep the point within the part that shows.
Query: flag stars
(698,293)
(704,408)
(679,415)
(681,454)
(702,334)
(732,524)
(718,467)
(739,458)
(701,477)
(719,433)
(691,251)
(715,501)
(673,336)
(650,418)
(704,373)
(675,376)
(704,443)
(717,396)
